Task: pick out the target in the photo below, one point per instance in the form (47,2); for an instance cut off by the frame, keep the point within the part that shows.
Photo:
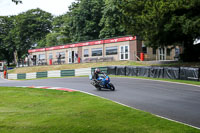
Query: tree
(59,34)
(6,42)
(111,21)
(165,22)
(84,20)
(31,27)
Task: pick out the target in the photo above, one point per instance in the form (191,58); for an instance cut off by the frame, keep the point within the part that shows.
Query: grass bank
(73,66)
(100,64)
(29,110)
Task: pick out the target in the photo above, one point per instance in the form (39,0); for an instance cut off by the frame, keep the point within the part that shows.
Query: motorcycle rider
(96,73)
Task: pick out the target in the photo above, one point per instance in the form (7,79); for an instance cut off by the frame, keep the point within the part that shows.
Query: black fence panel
(131,71)
(111,70)
(156,72)
(143,71)
(121,70)
(188,73)
(171,73)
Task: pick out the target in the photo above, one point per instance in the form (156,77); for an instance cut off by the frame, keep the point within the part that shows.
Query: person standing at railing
(59,59)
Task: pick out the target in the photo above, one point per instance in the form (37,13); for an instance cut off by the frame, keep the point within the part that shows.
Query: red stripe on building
(114,40)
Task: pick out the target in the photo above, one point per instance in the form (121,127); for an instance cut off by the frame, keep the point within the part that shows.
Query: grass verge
(160,79)
(30,110)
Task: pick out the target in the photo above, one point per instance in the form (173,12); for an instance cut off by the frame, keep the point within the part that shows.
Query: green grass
(73,66)
(99,64)
(27,110)
(170,80)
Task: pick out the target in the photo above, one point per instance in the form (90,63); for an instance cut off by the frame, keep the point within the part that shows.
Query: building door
(162,54)
(34,59)
(124,52)
(71,56)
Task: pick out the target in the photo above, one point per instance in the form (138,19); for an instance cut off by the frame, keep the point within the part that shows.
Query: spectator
(59,59)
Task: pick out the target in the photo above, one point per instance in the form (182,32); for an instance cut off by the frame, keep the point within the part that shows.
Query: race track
(174,101)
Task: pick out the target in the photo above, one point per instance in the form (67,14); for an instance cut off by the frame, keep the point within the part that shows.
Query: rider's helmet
(97,70)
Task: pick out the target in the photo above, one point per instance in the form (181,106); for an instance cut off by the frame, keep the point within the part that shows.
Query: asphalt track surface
(178,102)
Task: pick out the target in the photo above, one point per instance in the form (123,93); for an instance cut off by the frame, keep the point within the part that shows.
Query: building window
(154,50)
(111,50)
(168,51)
(124,52)
(97,52)
(144,50)
(50,56)
(61,55)
(86,53)
(41,56)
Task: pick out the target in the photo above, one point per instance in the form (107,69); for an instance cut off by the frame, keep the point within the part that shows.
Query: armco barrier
(111,70)
(121,70)
(131,71)
(31,76)
(184,73)
(83,71)
(67,73)
(156,72)
(188,73)
(21,76)
(41,74)
(171,73)
(54,73)
(12,76)
(143,71)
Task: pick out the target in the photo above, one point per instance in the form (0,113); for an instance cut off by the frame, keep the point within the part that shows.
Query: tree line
(158,22)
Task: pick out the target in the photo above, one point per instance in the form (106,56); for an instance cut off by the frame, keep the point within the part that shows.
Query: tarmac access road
(174,101)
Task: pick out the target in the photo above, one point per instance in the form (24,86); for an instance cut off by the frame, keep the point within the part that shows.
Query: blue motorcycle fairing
(104,81)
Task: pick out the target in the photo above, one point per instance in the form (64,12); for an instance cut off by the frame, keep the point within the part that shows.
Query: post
(142,56)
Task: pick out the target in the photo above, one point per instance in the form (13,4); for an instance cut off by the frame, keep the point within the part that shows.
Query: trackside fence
(181,73)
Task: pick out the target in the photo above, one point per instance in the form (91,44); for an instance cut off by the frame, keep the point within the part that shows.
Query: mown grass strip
(31,110)
(160,79)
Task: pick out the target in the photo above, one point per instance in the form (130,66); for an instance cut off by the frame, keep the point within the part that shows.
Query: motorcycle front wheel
(112,87)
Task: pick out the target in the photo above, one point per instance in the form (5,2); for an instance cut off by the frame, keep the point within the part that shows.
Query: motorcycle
(102,82)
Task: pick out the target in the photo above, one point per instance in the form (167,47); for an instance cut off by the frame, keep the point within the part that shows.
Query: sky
(55,7)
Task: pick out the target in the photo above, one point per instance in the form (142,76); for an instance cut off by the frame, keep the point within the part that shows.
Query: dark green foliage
(84,20)
(6,41)
(159,22)
(164,22)
(19,33)
(111,21)
(31,26)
